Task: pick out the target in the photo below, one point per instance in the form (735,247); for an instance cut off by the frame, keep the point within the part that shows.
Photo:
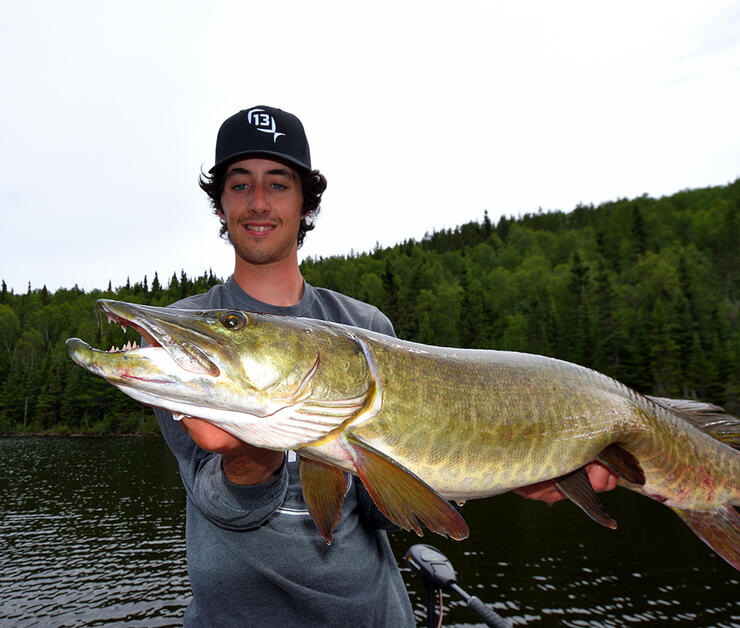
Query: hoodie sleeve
(228,505)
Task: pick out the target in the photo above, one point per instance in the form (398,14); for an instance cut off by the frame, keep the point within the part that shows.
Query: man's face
(261,204)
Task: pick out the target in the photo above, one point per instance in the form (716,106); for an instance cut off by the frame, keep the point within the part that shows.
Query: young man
(255,557)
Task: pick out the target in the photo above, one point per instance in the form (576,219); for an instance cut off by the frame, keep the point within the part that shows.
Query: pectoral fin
(577,487)
(401,496)
(323,489)
(720,529)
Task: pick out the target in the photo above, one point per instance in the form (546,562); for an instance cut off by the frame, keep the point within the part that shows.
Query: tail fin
(720,529)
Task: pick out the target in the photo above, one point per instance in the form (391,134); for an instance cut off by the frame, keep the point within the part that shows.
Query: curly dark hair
(313,184)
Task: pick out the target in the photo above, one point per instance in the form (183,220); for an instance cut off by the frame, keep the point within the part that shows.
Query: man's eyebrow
(279,171)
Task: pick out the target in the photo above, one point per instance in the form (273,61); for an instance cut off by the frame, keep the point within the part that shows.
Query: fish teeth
(127,347)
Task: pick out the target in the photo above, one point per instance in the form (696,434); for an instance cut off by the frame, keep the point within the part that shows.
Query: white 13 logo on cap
(264,122)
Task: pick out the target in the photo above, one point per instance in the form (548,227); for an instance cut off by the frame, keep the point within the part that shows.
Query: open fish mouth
(173,333)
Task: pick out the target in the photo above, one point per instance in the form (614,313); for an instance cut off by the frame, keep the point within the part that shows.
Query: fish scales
(458,405)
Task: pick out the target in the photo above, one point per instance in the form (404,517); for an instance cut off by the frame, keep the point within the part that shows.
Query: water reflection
(545,566)
(92,533)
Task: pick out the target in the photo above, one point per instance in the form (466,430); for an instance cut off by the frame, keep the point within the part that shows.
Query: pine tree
(664,352)
(10,328)
(472,314)
(487,226)
(184,284)
(639,233)
(700,372)
(174,288)
(391,286)
(574,342)
(604,328)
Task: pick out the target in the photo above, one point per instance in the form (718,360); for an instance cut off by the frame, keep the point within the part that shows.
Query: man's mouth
(259,228)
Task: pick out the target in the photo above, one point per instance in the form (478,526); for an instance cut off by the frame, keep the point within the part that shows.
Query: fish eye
(233,320)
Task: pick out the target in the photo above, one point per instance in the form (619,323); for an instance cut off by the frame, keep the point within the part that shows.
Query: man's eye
(279,186)
(239,187)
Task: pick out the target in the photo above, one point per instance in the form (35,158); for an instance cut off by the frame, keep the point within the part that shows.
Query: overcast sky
(421,114)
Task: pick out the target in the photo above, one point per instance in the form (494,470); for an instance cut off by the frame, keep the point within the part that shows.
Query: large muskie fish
(421,425)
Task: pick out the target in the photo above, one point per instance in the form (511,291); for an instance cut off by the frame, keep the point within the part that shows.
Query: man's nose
(258,200)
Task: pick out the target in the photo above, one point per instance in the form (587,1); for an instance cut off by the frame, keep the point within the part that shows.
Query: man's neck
(279,283)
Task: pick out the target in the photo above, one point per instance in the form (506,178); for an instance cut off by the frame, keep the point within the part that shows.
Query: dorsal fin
(710,419)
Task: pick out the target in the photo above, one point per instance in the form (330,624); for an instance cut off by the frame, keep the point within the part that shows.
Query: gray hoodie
(255,557)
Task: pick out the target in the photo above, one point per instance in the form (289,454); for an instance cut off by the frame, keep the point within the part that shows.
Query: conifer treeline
(645,290)
(41,389)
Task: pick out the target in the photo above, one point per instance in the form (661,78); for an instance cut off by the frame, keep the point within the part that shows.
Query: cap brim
(281,157)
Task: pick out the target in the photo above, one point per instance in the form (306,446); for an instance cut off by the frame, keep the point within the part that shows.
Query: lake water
(92,534)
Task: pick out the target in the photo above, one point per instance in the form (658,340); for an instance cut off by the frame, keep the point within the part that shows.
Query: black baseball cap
(263,131)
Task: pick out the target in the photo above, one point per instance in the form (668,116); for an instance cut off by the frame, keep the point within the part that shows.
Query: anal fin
(719,528)
(402,497)
(323,490)
(577,488)
(624,463)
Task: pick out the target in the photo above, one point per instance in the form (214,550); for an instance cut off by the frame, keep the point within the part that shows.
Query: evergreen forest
(645,290)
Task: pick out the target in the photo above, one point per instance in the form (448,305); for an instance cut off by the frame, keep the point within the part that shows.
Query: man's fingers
(602,477)
(542,491)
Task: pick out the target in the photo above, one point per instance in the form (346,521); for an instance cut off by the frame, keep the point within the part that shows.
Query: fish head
(249,373)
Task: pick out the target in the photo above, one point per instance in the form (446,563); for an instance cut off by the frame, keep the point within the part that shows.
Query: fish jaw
(152,377)
(141,365)
(162,326)
(196,367)
(148,374)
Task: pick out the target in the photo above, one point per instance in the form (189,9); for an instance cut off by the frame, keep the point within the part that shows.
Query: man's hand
(602,479)
(242,463)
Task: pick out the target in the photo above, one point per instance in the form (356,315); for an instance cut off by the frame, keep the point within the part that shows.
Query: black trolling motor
(437,573)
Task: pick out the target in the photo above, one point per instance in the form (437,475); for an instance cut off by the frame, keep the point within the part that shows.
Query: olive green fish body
(474,423)
(420,424)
